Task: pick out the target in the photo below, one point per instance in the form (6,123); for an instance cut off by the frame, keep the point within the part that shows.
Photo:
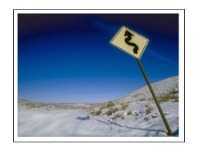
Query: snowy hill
(133,115)
(161,88)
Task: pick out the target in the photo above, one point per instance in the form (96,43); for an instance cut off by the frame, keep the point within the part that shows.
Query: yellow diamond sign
(130,42)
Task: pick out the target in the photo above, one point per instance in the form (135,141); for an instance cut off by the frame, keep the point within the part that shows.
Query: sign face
(130,41)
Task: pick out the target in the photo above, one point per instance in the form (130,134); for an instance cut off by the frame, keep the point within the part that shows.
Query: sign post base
(169,132)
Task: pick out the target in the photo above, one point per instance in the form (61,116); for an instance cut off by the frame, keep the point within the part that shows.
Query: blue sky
(68,58)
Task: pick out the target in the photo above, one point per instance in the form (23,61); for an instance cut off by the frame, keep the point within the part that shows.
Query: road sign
(130,41)
(134,44)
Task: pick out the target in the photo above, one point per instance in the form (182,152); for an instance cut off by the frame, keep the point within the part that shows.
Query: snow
(57,121)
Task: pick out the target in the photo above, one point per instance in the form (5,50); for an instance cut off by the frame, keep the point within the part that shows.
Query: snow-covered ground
(134,115)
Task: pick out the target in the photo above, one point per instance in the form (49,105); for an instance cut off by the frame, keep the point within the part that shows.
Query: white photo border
(179,139)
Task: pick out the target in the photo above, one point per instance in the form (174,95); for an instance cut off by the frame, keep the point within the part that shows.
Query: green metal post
(169,132)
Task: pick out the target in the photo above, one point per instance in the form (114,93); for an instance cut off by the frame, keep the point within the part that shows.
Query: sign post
(134,44)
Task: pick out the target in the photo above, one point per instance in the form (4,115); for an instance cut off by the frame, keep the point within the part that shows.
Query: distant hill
(167,88)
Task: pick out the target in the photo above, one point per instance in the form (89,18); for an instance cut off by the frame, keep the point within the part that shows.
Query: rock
(83,117)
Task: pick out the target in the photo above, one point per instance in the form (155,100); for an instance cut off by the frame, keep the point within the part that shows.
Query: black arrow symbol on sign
(128,37)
